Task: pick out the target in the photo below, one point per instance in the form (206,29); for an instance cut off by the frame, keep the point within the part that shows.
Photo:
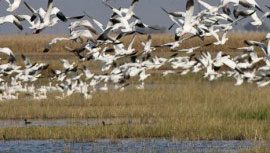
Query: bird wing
(26,60)
(131,43)
(189,12)
(49,11)
(30,7)
(100,25)
(268,48)
(131,8)
(206,5)
(8,52)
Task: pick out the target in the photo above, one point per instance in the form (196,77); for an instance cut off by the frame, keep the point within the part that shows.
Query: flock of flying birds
(120,63)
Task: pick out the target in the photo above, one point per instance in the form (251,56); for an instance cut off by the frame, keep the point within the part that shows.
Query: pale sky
(148,10)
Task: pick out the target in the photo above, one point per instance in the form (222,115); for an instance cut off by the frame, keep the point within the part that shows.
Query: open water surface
(124,146)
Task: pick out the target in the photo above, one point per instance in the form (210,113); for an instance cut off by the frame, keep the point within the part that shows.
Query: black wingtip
(226,10)
(164,10)
(33,17)
(23,57)
(19,26)
(176,37)
(246,42)
(134,1)
(61,16)
(267,6)
(258,8)
(209,44)
(79,17)
(46,50)
(190,3)
(171,26)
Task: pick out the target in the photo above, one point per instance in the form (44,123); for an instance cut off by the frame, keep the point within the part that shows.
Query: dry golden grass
(187,108)
(35,43)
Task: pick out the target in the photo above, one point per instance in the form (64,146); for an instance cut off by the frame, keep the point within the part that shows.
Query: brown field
(181,107)
(35,43)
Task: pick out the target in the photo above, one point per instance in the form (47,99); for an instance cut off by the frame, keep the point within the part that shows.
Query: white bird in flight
(13,6)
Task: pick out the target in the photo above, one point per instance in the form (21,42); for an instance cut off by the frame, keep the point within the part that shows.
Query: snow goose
(148,49)
(188,25)
(13,6)
(8,52)
(53,41)
(189,50)
(11,19)
(250,4)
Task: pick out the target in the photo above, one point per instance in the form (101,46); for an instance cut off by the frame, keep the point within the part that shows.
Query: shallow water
(123,146)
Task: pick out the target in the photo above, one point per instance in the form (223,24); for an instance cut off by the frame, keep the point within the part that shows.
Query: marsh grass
(35,43)
(181,107)
(188,110)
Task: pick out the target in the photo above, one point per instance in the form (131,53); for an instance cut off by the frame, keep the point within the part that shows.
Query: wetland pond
(105,145)
(125,145)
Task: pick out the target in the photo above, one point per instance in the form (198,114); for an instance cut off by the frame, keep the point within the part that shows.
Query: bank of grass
(207,130)
(189,110)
